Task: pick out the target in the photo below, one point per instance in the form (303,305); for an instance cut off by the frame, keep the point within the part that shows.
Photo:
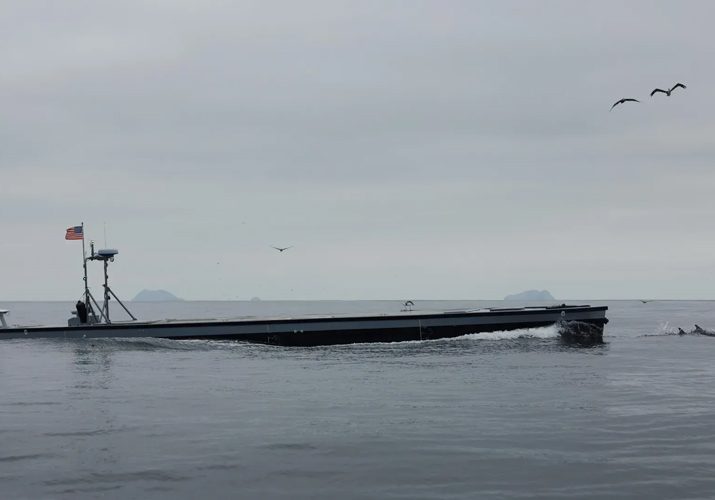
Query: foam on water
(546,332)
(158,344)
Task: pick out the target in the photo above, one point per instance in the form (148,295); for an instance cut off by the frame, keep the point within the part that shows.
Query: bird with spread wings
(667,92)
(621,101)
(283,249)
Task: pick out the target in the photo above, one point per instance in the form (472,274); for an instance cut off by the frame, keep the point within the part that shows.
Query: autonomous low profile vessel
(581,324)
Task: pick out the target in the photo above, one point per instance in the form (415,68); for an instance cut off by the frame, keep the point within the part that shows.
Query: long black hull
(355,336)
(581,324)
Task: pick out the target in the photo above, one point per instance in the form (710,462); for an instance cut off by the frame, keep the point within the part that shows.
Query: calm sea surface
(510,415)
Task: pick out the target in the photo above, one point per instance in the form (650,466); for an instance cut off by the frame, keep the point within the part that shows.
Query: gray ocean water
(510,415)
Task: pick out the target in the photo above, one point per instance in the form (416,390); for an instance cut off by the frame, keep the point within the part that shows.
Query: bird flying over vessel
(283,249)
(667,92)
(625,99)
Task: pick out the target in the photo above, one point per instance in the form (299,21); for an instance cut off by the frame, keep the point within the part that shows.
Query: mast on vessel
(88,298)
(105,255)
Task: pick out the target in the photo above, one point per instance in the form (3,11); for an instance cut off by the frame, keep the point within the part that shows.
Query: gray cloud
(407,149)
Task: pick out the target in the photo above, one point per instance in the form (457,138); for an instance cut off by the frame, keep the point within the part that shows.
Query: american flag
(74,233)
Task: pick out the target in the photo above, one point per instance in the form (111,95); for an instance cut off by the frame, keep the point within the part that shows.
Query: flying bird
(281,250)
(626,99)
(667,92)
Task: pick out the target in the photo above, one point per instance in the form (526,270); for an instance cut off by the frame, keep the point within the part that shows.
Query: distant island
(156,296)
(531,295)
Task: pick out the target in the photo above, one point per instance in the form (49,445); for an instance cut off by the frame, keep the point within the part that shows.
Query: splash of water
(546,332)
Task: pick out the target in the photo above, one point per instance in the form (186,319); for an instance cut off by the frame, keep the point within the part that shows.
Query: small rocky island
(530,295)
(155,296)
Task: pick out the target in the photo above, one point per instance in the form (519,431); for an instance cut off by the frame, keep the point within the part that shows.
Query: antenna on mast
(106,255)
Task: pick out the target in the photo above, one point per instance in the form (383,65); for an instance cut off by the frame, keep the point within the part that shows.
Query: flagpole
(84,264)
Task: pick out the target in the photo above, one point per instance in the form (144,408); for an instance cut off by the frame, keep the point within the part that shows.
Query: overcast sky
(406,149)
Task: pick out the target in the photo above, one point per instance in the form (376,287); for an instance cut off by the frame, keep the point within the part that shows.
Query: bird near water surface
(668,92)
